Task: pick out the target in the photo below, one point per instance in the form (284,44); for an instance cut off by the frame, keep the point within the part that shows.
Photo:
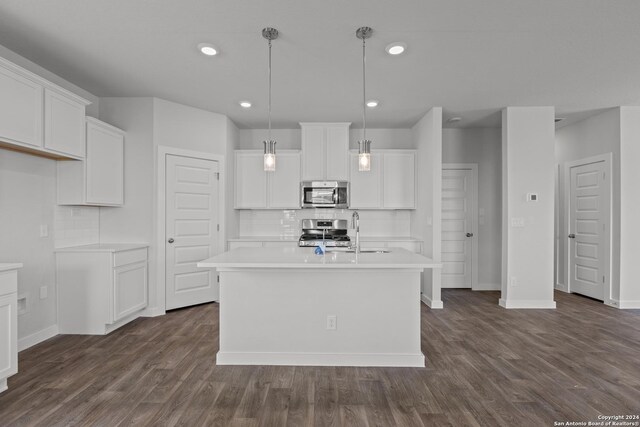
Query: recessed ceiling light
(454,119)
(396,48)
(207,49)
(245,104)
(372,103)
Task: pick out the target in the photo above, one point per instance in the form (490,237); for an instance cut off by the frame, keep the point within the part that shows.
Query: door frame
(473,167)
(161,235)
(608,162)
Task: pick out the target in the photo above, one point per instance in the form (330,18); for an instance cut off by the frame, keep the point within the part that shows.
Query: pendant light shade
(364,145)
(269,144)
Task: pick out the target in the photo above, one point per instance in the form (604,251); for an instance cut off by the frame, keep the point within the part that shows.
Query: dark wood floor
(486,366)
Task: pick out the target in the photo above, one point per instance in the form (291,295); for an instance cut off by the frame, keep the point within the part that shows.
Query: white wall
(599,134)
(427,217)
(291,139)
(483,147)
(528,159)
(629,207)
(27,200)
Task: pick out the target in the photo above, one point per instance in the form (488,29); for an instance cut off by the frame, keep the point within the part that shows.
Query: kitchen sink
(362,251)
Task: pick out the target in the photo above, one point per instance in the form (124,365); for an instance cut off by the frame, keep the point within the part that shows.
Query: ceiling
(470,57)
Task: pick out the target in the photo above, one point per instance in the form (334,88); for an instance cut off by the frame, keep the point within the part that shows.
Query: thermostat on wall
(532,197)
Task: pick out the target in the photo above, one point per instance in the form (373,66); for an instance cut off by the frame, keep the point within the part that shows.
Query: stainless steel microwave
(325,194)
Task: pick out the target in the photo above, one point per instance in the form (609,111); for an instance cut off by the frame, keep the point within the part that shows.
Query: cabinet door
(104,166)
(365,187)
(399,177)
(20,109)
(8,336)
(129,290)
(313,153)
(337,153)
(64,128)
(284,183)
(251,180)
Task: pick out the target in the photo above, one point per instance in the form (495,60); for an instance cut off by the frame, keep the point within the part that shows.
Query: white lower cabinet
(100,287)
(8,325)
(235,244)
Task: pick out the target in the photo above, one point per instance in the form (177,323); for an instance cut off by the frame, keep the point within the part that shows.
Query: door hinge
(602,279)
(603,175)
(218,176)
(218,227)
(218,279)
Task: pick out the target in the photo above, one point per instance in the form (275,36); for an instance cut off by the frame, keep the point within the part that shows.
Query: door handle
(469,234)
(572,236)
(171,240)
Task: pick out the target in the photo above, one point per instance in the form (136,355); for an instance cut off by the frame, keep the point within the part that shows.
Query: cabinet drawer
(8,282)
(129,257)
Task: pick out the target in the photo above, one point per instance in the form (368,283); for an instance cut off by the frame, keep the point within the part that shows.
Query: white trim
(3,385)
(473,167)
(320,359)
(533,304)
(161,236)
(488,287)
(608,165)
(429,303)
(152,312)
(37,337)
(634,305)
(561,287)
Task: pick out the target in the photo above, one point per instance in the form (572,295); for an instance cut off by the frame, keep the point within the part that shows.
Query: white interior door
(588,230)
(458,189)
(191,230)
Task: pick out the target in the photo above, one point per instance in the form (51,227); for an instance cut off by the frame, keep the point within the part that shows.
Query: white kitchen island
(288,306)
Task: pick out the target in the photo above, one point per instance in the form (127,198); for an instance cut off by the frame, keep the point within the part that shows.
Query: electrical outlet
(44,292)
(517,222)
(514,281)
(44,230)
(332,322)
(22,304)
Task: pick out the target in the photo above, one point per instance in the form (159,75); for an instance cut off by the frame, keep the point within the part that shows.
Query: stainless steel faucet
(355,223)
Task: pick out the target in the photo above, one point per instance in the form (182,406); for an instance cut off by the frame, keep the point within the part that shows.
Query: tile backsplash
(76,225)
(286,223)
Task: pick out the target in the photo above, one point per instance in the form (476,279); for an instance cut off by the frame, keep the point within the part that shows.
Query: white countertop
(295,257)
(10,266)
(104,247)
(295,239)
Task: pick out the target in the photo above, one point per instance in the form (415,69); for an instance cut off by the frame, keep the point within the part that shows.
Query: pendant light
(269,144)
(364,145)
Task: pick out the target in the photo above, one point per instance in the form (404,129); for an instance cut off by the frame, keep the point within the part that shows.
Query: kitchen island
(288,306)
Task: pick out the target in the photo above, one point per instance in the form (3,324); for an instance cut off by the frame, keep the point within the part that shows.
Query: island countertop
(296,257)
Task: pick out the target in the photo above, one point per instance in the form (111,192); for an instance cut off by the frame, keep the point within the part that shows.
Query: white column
(528,162)
(629,206)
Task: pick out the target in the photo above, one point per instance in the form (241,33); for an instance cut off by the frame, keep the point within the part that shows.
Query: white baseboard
(153,312)
(38,337)
(628,305)
(488,287)
(3,385)
(431,304)
(534,304)
(320,359)
(562,287)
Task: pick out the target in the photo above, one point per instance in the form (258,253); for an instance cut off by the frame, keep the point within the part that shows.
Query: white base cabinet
(8,323)
(99,179)
(100,287)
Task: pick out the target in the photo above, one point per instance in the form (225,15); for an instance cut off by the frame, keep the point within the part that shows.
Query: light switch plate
(517,222)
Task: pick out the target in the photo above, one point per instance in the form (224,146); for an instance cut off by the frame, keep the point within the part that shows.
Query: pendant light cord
(364,94)
(269,89)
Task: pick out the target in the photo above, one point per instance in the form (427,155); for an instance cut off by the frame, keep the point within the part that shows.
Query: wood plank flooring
(486,366)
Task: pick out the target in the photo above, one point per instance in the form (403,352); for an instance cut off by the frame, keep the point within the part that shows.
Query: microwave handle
(335,196)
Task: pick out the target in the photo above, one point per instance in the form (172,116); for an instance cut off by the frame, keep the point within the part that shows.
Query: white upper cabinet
(257,189)
(99,179)
(390,184)
(20,109)
(39,117)
(64,124)
(399,183)
(325,151)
